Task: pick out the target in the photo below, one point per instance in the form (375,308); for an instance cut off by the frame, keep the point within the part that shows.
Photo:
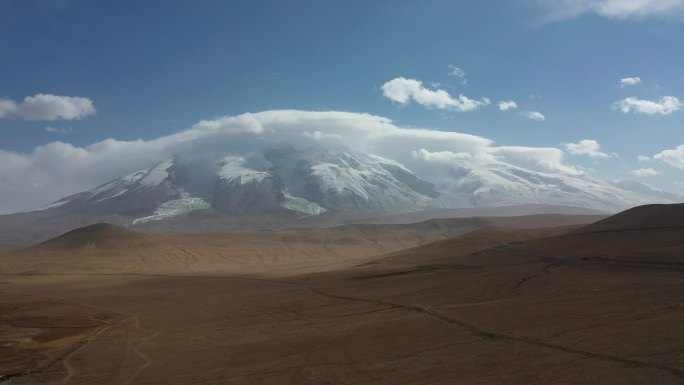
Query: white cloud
(403,91)
(665,106)
(59,130)
(459,73)
(506,105)
(245,123)
(57,169)
(547,160)
(440,156)
(674,158)
(643,158)
(544,159)
(47,107)
(7,108)
(612,9)
(317,135)
(588,147)
(624,82)
(533,115)
(644,173)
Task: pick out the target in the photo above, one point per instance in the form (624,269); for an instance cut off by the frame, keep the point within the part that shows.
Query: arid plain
(525,300)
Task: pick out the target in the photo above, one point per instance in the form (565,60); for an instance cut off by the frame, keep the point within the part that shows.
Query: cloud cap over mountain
(58,169)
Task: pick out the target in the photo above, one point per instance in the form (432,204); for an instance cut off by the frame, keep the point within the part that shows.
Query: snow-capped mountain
(278,180)
(311,181)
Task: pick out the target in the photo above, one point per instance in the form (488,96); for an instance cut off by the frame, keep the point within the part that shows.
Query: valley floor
(428,316)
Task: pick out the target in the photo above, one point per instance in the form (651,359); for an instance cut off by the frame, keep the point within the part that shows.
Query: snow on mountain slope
(645,189)
(462,183)
(235,168)
(245,186)
(139,192)
(137,181)
(315,180)
(173,208)
(341,181)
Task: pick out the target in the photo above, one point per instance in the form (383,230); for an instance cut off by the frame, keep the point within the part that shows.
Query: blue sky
(147,69)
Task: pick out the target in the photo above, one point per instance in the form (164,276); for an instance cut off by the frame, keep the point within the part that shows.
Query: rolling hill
(106,248)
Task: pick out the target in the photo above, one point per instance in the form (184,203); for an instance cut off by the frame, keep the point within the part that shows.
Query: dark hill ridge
(654,233)
(99,232)
(658,216)
(476,222)
(651,235)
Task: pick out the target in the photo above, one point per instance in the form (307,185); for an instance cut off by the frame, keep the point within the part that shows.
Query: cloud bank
(57,169)
(403,91)
(47,107)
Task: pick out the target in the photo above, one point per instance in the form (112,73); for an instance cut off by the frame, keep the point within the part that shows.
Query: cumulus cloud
(644,173)
(506,105)
(674,158)
(459,73)
(624,82)
(588,147)
(643,158)
(612,9)
(403,91)
(58,169)
(533,115)
(665,106)
(47,107)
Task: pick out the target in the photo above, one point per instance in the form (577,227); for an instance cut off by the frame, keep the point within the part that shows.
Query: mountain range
(317,181)
(281,184)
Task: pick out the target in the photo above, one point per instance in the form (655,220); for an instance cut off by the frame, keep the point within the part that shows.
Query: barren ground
(476,309)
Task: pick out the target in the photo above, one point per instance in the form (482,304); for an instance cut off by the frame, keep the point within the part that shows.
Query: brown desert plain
(542,299)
